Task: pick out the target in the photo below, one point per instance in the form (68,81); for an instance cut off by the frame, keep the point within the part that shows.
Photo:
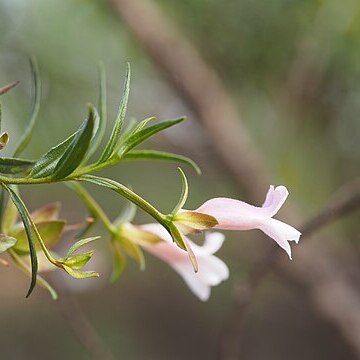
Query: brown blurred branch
(204,93)
(348,202)
(86,334)
(201,88)
(8,87)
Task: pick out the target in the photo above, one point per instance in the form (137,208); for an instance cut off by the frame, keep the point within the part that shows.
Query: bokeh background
(292,69)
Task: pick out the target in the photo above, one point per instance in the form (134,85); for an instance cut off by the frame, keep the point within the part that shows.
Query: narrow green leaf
(9,217)
(119,262)
(160,155)
(126,193)
(114,137)
(128,131)
(34,112)
(132,128)
(46,164)
(77,262)
(15,166)
(6,242)
(76,151)
(77,274)
(24,214)
(102,105)
(144,134)
(184,193)
(97,180)
(142,124)
(80,243)
(91,149)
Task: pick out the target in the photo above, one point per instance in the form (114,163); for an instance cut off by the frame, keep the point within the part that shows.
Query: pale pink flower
(237,215)
(212,270)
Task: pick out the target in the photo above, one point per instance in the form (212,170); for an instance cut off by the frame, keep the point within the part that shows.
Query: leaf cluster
(73,160)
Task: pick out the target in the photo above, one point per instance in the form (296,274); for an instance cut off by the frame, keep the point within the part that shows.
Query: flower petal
(234,214)
(212,244)
(212,270)
(275,199)
(282,233)
(199,288)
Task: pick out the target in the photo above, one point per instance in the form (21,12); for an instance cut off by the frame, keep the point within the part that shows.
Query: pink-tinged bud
(212,270)
(237,215)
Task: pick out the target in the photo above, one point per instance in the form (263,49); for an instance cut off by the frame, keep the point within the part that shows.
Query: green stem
(93,206)
(128,194)
(48,180)
(82,174)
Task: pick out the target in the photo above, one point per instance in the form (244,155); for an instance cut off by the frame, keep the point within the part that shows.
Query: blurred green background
(293,69)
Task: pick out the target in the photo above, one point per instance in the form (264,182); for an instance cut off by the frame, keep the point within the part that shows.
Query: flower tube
(234,214)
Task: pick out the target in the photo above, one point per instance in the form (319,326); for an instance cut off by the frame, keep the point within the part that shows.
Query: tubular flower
(212,270)
(237,215)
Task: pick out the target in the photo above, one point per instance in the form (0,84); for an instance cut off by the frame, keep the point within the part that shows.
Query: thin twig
(348,202)
(8,87)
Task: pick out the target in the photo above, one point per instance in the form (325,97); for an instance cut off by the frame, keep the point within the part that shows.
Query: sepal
(191,221)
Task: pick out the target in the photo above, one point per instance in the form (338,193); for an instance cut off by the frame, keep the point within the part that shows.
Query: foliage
(72,161)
